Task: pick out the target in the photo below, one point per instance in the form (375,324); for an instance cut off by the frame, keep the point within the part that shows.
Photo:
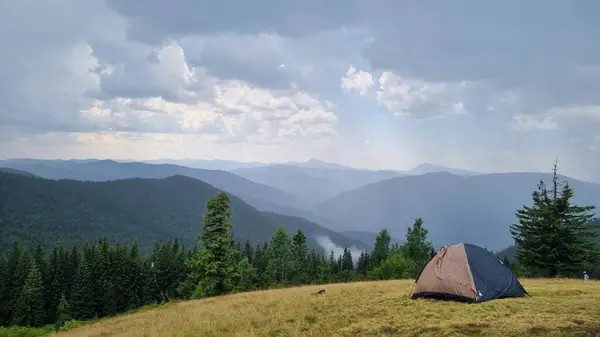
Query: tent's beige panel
(448,272)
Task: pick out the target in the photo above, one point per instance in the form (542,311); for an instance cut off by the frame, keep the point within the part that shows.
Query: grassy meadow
(555,308)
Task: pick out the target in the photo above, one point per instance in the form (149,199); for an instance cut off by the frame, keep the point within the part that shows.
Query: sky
(486,86)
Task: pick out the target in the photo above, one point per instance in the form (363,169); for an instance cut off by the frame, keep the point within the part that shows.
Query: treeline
(39,288)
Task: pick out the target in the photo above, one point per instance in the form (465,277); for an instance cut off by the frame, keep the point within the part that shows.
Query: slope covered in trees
(105,170)
(39,287)
(37,210)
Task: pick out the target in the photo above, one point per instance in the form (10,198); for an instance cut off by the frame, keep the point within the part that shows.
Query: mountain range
(456,205)
(38,210)
(477,209)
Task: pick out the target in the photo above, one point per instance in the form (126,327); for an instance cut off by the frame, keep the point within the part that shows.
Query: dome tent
(468,273)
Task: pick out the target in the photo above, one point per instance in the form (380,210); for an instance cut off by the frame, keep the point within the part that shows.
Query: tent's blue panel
(492,278)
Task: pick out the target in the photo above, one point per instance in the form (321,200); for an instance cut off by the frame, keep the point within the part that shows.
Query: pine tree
(17,267)
(553,236)
(217,252)
(333,267)
(248,252)
(346,266)
(29,309)
(135,281)
(259,262)
(347,262)
(300,258)
(279,254)
(382,248)
(314,260)
(63,313)
(323,270)
(83,297)
(362,266)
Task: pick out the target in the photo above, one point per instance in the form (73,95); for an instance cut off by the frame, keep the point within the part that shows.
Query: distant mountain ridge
(430,168)
(39,210)
(207,164)
(478,209)
(105,170)
(312,185)
(316,181)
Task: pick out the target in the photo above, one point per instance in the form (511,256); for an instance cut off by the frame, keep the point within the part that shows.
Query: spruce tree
(17,268)
(314,260)
(248,252)
(323,270)
(135,282)
(29,308)
(347,262)
(217,249)
(260,263)
(279,254)
(300,258)
(362,266)
(63,313)
(553,236)
(83,297)
(333,267)
(382,248)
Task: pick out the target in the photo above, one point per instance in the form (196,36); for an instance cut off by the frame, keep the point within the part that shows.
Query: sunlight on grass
(555,308)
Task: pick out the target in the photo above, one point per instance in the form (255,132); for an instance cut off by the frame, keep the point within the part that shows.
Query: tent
(468,273)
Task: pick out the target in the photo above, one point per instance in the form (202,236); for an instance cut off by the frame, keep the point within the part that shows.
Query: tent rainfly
(467,273)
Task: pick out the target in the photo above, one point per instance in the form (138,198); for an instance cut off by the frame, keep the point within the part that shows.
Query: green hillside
(106,170)
(34,209)
(11,170)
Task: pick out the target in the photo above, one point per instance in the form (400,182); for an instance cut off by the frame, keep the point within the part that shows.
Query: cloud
(256,59)
(508,45)
(293,18)
(408,97)
(528,123)
(293,80)
(328,246)
(92,79)
(359,80)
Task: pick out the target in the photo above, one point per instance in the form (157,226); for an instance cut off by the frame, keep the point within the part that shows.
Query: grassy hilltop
(555,308)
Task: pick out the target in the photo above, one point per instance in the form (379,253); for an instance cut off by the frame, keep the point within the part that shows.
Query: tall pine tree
(300,258)
(29,308)
(217,249)
(553,236)
(279,254)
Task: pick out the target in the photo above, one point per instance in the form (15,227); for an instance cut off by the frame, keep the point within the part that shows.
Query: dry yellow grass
(555,308)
